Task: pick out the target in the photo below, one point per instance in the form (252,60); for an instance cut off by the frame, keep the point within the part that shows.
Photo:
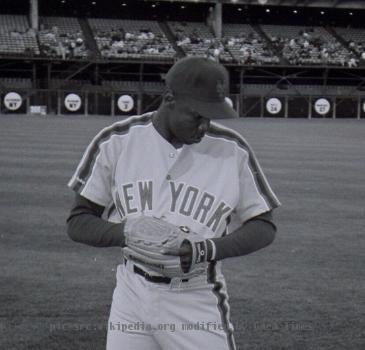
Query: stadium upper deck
(243,44)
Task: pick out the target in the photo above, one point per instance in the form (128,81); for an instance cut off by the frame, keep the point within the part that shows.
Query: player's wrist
(204,251)
(211,250)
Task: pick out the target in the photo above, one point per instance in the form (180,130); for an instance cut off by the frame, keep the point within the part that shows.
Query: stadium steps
(171,37)
(338,37)
(89,38)
(259,31)
(343,42)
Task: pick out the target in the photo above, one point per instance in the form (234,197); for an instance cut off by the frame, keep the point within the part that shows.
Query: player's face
(186,125)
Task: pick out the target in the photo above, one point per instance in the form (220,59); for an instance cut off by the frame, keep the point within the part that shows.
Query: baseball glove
(157,244)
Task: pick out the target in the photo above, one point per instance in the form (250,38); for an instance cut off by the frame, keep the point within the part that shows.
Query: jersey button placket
(172,156)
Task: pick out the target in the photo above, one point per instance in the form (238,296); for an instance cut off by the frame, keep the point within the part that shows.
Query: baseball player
(165,187)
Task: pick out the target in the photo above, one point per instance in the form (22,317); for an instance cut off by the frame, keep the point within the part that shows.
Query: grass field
(306,291)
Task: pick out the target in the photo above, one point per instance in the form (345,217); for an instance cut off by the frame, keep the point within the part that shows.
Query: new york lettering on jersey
(185,200)
(151,176)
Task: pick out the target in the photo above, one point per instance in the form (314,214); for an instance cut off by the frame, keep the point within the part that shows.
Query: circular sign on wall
(322,106)
(273,105)
(13,101)
(125,103)
(72,102)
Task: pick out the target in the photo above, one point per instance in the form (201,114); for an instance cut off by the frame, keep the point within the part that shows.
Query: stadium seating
(62,37)
(196,39)
(247,46)
(354,37)
(16,36)
(131,39)
(302,45)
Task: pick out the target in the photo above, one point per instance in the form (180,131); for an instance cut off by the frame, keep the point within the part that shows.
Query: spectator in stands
(352,63)
(56,43)
(310,48)
(124,43)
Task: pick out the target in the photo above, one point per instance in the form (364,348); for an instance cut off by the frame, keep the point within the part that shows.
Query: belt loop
(175,283)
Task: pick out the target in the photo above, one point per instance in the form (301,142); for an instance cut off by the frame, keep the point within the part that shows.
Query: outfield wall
(124,103)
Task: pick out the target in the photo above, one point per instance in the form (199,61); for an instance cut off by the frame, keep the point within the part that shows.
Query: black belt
(148,277)
(153,279)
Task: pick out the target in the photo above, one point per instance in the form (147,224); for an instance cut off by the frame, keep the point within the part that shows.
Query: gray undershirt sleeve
(85,225)
(255,234)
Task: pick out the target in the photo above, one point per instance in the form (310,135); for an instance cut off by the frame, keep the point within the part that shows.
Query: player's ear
(169,98)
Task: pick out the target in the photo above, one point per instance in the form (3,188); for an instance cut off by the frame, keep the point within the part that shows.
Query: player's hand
(165,248)
(184,252)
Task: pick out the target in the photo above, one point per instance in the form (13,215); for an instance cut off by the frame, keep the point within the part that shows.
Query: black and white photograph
(182,175)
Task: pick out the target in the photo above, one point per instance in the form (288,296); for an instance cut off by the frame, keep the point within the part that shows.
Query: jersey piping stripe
(261,183)
(223,305)
(116,129)
(259,178)
(111,210)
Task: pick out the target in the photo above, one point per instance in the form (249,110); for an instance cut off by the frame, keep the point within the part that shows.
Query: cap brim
(212,110)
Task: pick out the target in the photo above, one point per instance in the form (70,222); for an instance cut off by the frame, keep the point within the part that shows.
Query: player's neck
(159,121)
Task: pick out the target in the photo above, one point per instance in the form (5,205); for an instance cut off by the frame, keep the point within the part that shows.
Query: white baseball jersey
(130,169)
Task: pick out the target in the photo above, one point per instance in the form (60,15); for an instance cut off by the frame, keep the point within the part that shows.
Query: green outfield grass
(306,291)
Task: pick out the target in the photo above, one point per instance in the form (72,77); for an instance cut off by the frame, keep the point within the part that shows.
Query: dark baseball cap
(203,84)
